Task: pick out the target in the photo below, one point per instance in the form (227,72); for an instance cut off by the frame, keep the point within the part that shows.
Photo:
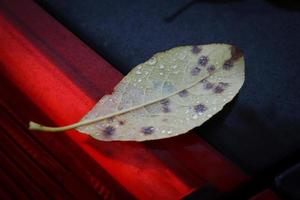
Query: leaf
(171,93)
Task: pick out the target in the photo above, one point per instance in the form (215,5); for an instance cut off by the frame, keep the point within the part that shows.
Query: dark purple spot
(183,93)
(196,50)
(121,122)
(218,89)
(147,130)
(165,102)
(228,65)
(211,68)
(195,71)
(203,60)
(109,130)
(200,108)
(208,85)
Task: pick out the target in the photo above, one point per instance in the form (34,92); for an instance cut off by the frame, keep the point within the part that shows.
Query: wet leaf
(171,93)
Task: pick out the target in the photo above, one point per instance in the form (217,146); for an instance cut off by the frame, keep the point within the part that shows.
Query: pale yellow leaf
(170,94)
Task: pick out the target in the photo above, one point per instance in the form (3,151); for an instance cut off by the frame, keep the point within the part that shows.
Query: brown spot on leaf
(109,130)
(183,93)
(196,49)
(203,60)
(200,108)
(195,71)
(236,53)
(122,122)
(147,130)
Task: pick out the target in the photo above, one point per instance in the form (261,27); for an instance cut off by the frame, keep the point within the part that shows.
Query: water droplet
(146,73)
(224,100)
(195,116)
(139,67)
(139,80)
(152,61)
(163,131)
(110,100)
(182,56)
(209,115)
(214,108)
(169,132)
(174,66)
(161,73)
(161,66)
(138,72)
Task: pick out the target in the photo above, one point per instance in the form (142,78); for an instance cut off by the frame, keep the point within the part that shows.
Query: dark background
(259,131)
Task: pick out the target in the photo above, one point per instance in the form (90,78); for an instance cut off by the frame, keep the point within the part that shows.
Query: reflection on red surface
(266,195)
(62,79)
